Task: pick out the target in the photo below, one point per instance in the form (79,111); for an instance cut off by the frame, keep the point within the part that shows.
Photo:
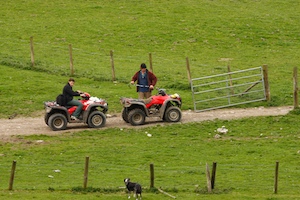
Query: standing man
(68,94)
(146,81)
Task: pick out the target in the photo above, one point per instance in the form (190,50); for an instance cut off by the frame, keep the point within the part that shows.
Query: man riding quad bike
(167,107)
(92,114)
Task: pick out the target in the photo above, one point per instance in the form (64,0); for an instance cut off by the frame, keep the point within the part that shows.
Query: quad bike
(92,114)
(167,107)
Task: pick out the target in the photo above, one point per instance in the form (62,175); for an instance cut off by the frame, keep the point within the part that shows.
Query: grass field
(245,161)
(248,33)
(212,34)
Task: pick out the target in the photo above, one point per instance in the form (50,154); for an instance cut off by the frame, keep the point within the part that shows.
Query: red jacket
(151,78)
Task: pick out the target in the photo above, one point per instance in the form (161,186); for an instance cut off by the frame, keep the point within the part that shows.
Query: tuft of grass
(93,190)
(295,111)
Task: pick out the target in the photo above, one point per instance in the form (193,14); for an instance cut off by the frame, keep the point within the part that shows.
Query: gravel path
(28,126)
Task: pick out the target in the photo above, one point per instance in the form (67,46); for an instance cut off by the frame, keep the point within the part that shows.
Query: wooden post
(159,189)
(276,177)
(250,87)
(208,179)
(151,175)
(150,61)
(86,170)
(213,175)
(112,65)
(266,81)
(31,51)
(188,70)
(12,175)
(71,60)
(295,78)
(230,79)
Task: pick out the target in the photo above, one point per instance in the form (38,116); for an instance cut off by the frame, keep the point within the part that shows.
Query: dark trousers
(78,109)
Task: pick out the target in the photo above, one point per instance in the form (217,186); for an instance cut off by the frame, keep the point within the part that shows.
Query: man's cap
(143,66)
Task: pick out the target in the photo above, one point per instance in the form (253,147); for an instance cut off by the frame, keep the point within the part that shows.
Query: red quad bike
(92,114)
(167,107)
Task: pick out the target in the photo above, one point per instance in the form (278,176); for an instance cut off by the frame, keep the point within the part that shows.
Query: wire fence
(229,177)
(92,61)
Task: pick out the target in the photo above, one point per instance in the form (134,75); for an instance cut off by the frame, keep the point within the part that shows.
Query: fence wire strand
(228,176)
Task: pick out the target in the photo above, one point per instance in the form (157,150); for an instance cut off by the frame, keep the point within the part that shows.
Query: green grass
(245,160)
(248,33)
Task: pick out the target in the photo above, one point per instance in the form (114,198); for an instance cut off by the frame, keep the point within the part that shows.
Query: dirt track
(28,126)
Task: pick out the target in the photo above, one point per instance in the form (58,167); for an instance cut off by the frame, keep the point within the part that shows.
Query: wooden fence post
(166,193)
(295,78)
(31,51)
(208,179)
(86,171)
(276,177)
(230,79)
(151,175)
(266,81)
(213,175)
(150,61)
(71,60)
(12,175)
(188,70)
(112,65)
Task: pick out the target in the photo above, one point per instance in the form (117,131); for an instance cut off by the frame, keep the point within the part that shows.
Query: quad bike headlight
(174,96)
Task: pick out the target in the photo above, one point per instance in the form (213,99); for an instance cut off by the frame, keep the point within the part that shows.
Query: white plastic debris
(222,130)
(56,170)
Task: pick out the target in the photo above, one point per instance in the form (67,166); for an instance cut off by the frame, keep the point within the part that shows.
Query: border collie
(135,187)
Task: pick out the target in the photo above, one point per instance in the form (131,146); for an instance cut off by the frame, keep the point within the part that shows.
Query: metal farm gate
(228,89)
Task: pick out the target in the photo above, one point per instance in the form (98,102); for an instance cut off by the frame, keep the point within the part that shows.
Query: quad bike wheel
(136,117)
(57,122)
(125,115)
(173,114)
(96,119)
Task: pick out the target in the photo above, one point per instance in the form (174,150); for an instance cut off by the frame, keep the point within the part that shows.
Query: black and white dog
(135,187)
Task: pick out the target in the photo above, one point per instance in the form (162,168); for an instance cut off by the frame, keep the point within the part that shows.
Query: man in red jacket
(146,81)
